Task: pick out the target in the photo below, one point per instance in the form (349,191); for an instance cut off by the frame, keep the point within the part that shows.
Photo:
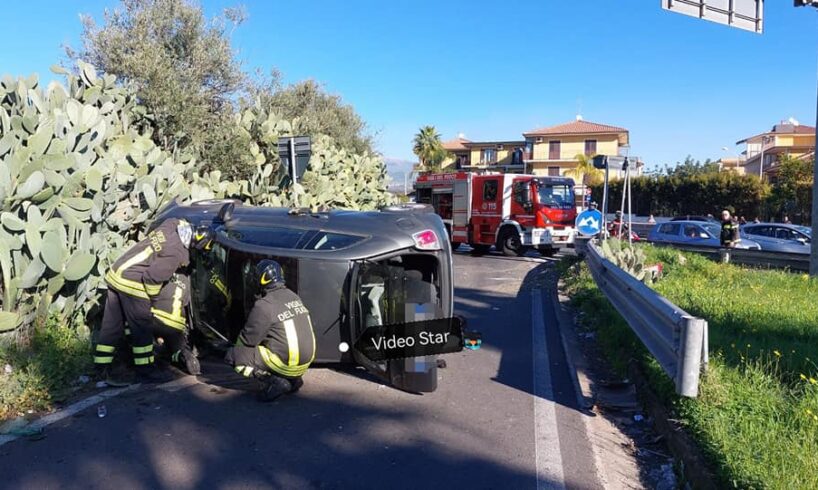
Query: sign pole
(813,249)
(293,170)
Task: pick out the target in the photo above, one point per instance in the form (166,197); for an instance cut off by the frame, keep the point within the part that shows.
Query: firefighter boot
(150,373)
(113,375)
(187,360)
(273,388)
(296,383)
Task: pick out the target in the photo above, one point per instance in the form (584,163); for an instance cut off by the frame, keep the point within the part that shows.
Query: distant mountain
(397,168)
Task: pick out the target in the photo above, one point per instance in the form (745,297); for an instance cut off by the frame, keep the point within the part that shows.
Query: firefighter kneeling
(277,343)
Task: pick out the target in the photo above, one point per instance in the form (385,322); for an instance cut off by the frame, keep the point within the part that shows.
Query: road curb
(574,357)
(695,467)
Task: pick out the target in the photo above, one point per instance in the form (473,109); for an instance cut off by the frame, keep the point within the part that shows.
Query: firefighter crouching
(133,280)
(277,344)
(169,310)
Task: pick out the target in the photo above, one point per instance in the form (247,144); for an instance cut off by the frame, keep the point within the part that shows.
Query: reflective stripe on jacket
(168,307)
(280,326)
(145,267)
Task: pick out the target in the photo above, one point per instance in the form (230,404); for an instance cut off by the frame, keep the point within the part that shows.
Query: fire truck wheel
(510,244)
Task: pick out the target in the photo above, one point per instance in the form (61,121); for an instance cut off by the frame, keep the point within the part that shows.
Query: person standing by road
(277,344)
(133,280)
(729,230)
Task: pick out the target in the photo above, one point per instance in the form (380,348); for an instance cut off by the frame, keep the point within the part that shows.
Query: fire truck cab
(513,212)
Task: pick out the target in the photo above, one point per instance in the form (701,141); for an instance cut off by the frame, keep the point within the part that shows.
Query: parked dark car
(694,233)
(352,270)
(779,237)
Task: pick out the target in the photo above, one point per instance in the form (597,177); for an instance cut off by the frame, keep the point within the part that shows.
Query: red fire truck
(513,212)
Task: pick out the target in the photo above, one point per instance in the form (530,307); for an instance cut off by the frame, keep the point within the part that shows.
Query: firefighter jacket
(279,324)
(146,266)
(729,233)
(168,307)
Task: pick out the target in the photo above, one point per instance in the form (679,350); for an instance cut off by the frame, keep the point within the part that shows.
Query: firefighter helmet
(269,274)
(202,238)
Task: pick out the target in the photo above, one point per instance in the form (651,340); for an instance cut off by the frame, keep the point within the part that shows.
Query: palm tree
(584,172)
(428,147)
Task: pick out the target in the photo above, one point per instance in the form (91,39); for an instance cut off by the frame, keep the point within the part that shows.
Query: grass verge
(756,417)
(43,371)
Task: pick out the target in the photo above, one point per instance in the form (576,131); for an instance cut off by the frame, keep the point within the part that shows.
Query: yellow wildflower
(809,412)
(804,378)
(778,354)
(813,381)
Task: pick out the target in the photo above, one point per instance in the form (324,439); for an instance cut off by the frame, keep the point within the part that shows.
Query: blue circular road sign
(589,222)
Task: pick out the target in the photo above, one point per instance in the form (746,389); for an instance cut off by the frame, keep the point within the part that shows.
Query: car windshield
(805,230)
(556,195)
(711,228)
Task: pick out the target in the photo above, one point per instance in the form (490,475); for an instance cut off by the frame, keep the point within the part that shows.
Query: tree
(315,112)
(182,67)
(792,188)
(585,172)
(692,167)
(429,148)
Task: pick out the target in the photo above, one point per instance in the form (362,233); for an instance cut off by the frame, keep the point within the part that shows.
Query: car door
(666,232)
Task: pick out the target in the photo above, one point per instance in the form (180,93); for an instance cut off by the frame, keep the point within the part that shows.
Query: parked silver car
(779,237)
(694,233)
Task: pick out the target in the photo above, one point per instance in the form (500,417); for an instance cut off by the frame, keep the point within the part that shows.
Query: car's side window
(670,229)
(785,234)
(692,231)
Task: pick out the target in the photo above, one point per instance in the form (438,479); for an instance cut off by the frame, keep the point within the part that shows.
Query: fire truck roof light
(426,240)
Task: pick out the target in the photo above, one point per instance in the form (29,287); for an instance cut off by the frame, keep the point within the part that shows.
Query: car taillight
(426,240)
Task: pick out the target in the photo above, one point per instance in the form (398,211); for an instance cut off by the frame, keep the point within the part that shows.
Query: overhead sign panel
(744,14)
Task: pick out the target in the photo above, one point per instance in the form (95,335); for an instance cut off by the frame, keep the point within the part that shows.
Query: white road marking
(547,452)
(69,411)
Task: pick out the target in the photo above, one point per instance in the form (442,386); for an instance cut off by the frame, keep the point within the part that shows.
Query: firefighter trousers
(249,362)
(119,309)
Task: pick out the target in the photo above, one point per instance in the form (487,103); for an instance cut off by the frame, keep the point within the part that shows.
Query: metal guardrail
(676,339)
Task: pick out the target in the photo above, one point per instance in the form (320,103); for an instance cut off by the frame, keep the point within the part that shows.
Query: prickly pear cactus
(628,258)
(79,182)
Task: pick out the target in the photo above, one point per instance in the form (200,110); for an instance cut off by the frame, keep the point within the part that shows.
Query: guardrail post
(690,356)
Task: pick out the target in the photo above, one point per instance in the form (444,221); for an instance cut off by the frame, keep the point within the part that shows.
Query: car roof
(692,217)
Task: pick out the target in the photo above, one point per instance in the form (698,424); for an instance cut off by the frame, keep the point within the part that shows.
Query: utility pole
(813,249)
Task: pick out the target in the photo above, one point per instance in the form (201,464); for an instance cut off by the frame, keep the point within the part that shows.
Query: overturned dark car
(352,269)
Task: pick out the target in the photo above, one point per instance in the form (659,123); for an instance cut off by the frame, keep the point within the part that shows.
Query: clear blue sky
(495,69)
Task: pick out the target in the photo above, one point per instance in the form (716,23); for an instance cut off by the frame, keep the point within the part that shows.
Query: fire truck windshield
(559,195)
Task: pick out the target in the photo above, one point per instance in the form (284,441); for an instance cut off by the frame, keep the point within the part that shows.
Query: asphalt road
(504,416)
